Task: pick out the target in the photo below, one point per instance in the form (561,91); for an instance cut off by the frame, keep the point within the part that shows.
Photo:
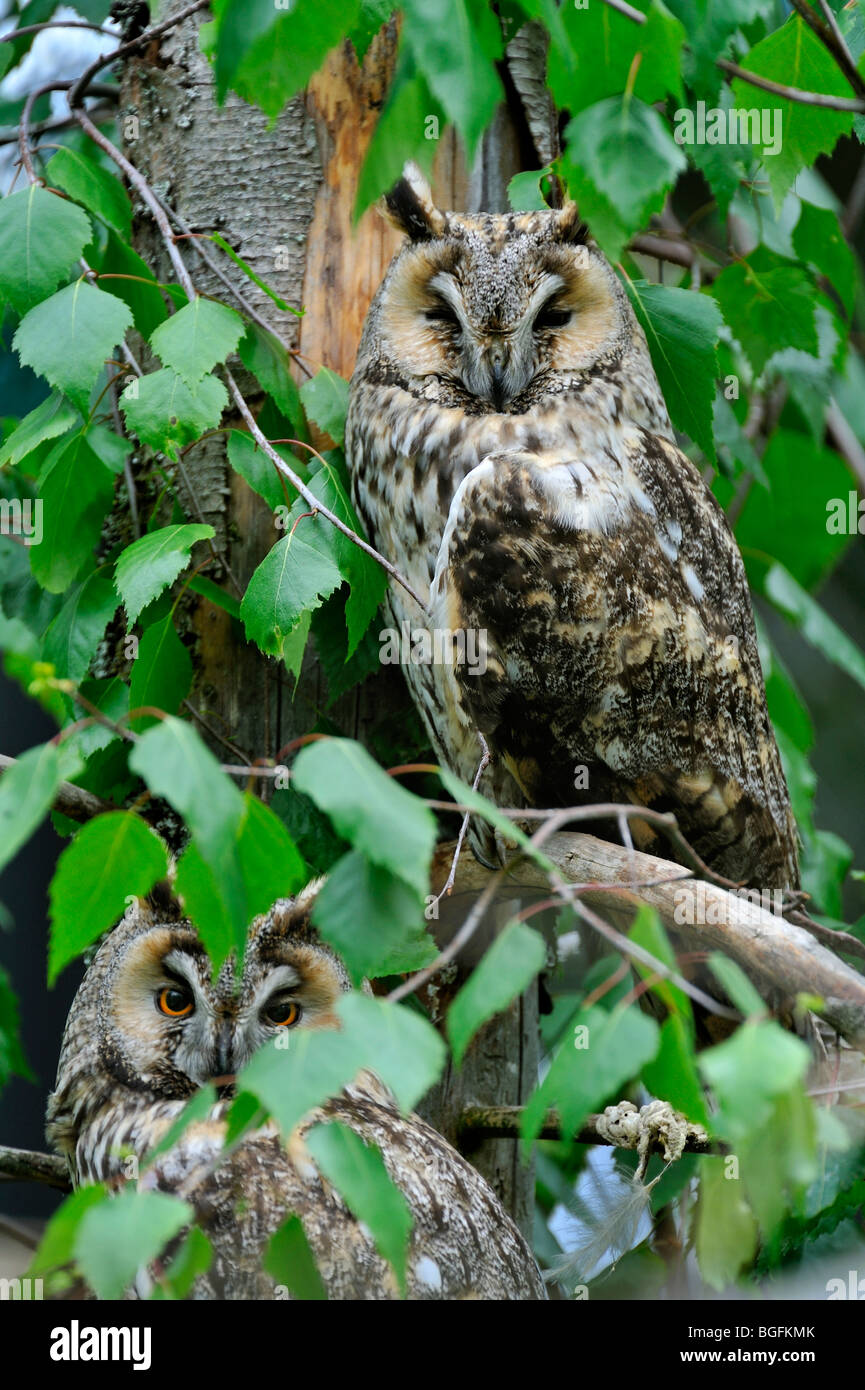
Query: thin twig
(27,1165)
(832,40)
(14,34)
(830,103)
(456,943)
(131,46)
(300,486)
(482,766)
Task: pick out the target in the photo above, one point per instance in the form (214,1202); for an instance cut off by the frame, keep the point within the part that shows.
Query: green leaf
(506,969)
(364,575)
(289,1260)
(726,1234)
(604,1051)
(599,48)
(325,400)
(373,14)
(295,576)
(267,358)
(192,1259)
(682,328)
(794,57)
(358,1173)
(768,302)
(255,468)
(53,416)
(57,1244)
(147,566)
(747,1071)
(123,273)
(399,1045)
(373,919)
(75,496)
(368,808)
(196,1109)
(293,1080)
(269,868)
(411,114)
(620,163)
(456,47)
(524,191)
(737,985)
(112,857)
(819,241)
(72,638)
(68,338)
(672,1073)
(119,1236)
(802,479)
(94,187)
(278,63)
(814,623)
(12,1059)
(176,764)
(161,673)
(163,412)
(41,237)
(193,340)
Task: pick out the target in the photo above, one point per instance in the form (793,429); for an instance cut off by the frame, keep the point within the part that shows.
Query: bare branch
(26,1165)
(74,802)
(503,1122)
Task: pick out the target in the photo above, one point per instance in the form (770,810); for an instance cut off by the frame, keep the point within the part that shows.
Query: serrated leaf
(524,191)
(813,622)
(275,66)
(289,1260)
(358,1173)
(325,400)
(373,919)
(75,494)
(682,328)
(68,338)
(72,638)
(255,468)
(295,576)
(291,1081)
(368,808)
(111,857)
(41,237)
(89,184)
(161,673)
(53,416)
(592,54)
(820,242)
(615,1047)
(620,162)
(410,112)
(747,1071)
(456,48)
(117,1237)
(794,57)
(266,357)
(163,412)
(198,336)
(123,273)
(768,302)
(506,969)
(399,1045)
(147,566)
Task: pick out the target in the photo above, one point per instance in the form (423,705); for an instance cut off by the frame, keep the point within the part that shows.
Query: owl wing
(620,645)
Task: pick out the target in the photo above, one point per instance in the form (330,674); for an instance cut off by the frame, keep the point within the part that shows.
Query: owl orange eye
(283,1013)
(175,1001)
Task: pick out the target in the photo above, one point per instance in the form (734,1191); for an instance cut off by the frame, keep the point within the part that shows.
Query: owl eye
(552,318)
(175,1001)
(442,313)
(283,1013)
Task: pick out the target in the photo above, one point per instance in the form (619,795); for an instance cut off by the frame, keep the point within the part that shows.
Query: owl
(150,1025)
(511,453)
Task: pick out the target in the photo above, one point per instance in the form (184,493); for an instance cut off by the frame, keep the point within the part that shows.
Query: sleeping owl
(149,1026)
(512,454)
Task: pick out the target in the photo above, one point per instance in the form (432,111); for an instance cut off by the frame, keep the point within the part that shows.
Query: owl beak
(224,1061)
(498,360)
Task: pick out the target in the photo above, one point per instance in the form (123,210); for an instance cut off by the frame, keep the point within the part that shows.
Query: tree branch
(782,959)
(479,1122)
(26,1165)
(71,801)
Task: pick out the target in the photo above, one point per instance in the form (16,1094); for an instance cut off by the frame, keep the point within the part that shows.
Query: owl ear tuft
(568,226)
(410,208)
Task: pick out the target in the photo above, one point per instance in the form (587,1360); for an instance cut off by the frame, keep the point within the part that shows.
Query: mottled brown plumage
(127,1070)
(511,452)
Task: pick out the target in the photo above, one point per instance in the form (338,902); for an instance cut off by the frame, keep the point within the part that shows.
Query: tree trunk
(283,197)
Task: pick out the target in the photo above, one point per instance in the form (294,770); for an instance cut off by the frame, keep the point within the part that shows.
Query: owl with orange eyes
(150,1026)
(512,454)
